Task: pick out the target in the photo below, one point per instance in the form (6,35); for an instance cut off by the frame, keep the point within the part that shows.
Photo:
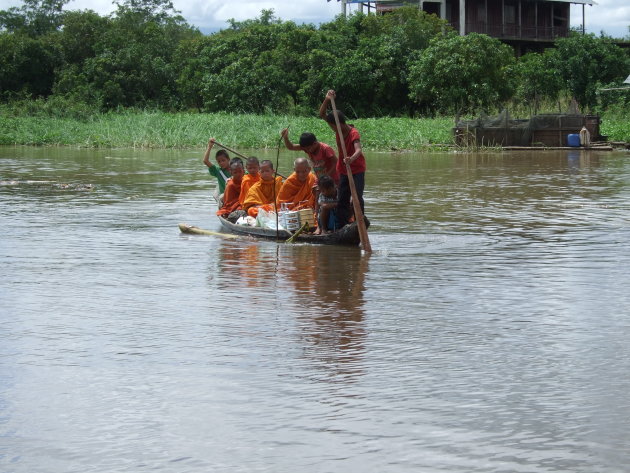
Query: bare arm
(356,154)
(206,157)
(285,136)
(323,108)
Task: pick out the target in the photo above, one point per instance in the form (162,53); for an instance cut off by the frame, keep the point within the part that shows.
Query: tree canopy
(462,74)
(407,62)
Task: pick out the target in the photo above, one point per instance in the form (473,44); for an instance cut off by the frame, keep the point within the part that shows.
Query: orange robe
(246,184)
(260,194)
(298,195)
(230,198)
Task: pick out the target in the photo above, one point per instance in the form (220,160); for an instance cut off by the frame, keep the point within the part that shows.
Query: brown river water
(489,331)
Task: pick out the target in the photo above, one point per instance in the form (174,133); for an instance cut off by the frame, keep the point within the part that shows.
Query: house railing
(512,31)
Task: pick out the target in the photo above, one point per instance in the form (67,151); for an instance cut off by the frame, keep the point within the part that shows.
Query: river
(487,332)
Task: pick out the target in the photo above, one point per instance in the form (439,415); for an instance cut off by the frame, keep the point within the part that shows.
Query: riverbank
(131,129)
(190,130)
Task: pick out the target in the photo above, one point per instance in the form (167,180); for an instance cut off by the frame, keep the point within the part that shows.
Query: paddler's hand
(284,133)
(331,94)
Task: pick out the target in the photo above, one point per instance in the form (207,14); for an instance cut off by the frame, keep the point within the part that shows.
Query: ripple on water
(487,332)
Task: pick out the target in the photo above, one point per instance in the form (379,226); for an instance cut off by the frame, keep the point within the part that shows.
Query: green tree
(538,79)
(27,65)
(34,17)
(586,62)
(254,66)
(462,74)
(82,31)
(366,59)
(134,57)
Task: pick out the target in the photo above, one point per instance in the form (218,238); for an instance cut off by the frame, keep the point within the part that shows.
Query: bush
(458,74)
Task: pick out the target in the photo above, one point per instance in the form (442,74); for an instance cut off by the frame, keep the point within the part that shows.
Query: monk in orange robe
(251,178)
(297,191)
(263,193)
(232,189)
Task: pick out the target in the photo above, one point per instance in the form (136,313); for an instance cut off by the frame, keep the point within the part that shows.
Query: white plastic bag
(267,220)
(246,220)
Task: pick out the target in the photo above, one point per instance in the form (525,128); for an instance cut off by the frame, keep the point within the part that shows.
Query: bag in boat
(267,219)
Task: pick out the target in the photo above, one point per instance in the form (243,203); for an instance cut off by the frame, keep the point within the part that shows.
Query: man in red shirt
(351,141)
(321,155)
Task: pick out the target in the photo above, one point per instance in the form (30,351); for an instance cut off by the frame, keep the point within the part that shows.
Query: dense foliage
(407,63)
(461,73)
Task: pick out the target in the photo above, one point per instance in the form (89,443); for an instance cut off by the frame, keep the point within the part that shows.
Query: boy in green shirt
(222,171)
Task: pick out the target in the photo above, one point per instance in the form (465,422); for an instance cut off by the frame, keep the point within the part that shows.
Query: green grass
(132,129)
(616,126)
(191,130)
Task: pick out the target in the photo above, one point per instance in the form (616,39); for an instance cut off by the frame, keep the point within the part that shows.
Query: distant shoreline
(160,130)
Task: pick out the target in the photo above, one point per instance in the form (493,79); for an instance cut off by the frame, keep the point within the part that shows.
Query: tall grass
(134,129)
(192,130)
(616,126)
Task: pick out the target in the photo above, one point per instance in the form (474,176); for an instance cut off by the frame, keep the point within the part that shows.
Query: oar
(230,150)
(241,155)
(185,228)
(358,214)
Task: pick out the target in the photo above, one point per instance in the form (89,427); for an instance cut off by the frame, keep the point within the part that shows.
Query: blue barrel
(573,140)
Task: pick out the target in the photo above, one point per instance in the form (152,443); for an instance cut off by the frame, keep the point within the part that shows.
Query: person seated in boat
(350,141)
(222,171)
(251,178)
(264,193)
(326,205)
(298,192)
(321,155)
(232,189)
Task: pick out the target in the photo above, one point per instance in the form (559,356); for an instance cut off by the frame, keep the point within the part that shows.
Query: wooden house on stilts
(525,24)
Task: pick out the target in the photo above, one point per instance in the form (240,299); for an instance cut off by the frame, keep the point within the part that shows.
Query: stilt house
(525,24)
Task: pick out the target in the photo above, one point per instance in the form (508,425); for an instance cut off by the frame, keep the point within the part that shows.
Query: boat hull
(348,235)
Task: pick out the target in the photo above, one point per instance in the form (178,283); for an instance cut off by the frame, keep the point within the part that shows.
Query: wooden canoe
(348,235)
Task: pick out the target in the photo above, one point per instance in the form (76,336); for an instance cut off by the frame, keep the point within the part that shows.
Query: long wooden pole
(245,157)
(230,150)
(358,213)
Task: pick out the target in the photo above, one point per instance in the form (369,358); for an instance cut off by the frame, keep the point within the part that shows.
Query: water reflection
(322,287)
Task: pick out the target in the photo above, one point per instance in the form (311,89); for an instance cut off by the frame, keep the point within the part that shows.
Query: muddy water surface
(488,332)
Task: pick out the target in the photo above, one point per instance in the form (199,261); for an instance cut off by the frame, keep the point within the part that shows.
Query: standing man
(351,141)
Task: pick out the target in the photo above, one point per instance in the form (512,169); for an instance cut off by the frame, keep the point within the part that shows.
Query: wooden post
(462,17)
(583,22)
(520,22)
(502,18)
(553,30)
(485,17)
(536,17)
(507,120)
(443,9)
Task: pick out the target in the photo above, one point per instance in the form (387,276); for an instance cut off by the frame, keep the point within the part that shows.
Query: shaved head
(301,162)
(302,168)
